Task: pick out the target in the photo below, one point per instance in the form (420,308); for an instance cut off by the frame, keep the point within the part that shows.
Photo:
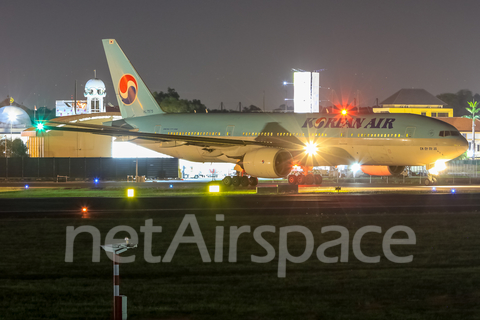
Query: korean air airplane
(269,144)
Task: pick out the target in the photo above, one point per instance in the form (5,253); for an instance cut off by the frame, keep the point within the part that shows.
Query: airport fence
(462,168)
(87,168)
(454,168)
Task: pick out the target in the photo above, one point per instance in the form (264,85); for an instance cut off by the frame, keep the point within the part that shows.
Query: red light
(344,112)
(84,209)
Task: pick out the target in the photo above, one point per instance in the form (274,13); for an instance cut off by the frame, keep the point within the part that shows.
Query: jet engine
(382,170)
(268,163)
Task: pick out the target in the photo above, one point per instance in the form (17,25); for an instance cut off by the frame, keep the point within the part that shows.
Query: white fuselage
(373,139)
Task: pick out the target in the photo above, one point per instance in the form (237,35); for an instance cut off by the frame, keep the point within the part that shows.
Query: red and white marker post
(118,300)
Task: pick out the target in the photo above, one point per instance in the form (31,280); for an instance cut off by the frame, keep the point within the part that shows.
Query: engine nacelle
(268,163)
(382,170)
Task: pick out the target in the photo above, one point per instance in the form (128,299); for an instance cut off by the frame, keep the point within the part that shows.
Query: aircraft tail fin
(133,96)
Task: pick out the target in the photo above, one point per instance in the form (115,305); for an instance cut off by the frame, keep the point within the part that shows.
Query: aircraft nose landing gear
(431,179)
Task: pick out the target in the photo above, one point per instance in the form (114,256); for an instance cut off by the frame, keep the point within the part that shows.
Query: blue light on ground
(171,186)
(434,189)
(96,180)
(453,191)
(26,186)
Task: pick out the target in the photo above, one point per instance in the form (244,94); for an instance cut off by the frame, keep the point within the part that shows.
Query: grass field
(442,282)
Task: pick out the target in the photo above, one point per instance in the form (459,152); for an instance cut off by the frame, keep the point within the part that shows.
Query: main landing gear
(305,179)
(237,181)
(299,177)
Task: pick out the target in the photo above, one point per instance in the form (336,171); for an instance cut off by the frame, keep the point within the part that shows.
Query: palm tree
(473,109)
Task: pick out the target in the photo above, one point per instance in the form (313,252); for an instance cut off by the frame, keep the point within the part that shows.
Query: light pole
(119,302)
(11,117)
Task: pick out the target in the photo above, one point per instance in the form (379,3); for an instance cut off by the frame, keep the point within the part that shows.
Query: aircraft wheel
(309,179)
(244,181)
(428,182)
(318,179)
(253,181)
(301,179)
(236,181)
(227,181)
(292,179)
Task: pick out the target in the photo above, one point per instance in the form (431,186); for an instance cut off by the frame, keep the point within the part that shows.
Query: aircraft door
(410,132)
(229,131)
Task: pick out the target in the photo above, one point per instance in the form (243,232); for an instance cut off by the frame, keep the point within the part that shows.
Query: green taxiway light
(40,126)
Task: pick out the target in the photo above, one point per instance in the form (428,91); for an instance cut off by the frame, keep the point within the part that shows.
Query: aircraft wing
(132,134)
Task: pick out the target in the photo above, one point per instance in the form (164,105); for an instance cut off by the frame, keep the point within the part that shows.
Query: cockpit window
(449,133)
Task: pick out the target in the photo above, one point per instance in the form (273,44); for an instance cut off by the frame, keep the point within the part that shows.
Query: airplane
(268,145)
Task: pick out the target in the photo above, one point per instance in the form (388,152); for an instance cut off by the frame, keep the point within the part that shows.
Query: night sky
(235,51)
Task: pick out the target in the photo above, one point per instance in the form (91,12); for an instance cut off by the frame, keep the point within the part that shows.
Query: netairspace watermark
(190,222)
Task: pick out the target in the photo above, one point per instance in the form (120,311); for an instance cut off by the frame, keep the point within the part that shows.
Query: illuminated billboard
(65,107)
(301,92)
(315,89)
(305,91)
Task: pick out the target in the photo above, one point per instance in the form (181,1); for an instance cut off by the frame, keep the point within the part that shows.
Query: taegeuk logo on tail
(127,89)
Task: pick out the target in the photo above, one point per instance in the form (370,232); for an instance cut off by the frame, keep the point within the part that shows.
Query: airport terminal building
(415,101)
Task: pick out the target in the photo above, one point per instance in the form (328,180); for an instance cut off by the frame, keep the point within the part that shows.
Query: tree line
(170,102)
(459,101)
(13,149)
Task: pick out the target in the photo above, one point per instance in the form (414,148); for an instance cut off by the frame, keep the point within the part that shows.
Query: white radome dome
(95,87)
(15,117)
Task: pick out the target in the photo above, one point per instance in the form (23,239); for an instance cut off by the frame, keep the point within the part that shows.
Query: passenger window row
(289,134)
(378,135)
(266,134)
(194,133)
